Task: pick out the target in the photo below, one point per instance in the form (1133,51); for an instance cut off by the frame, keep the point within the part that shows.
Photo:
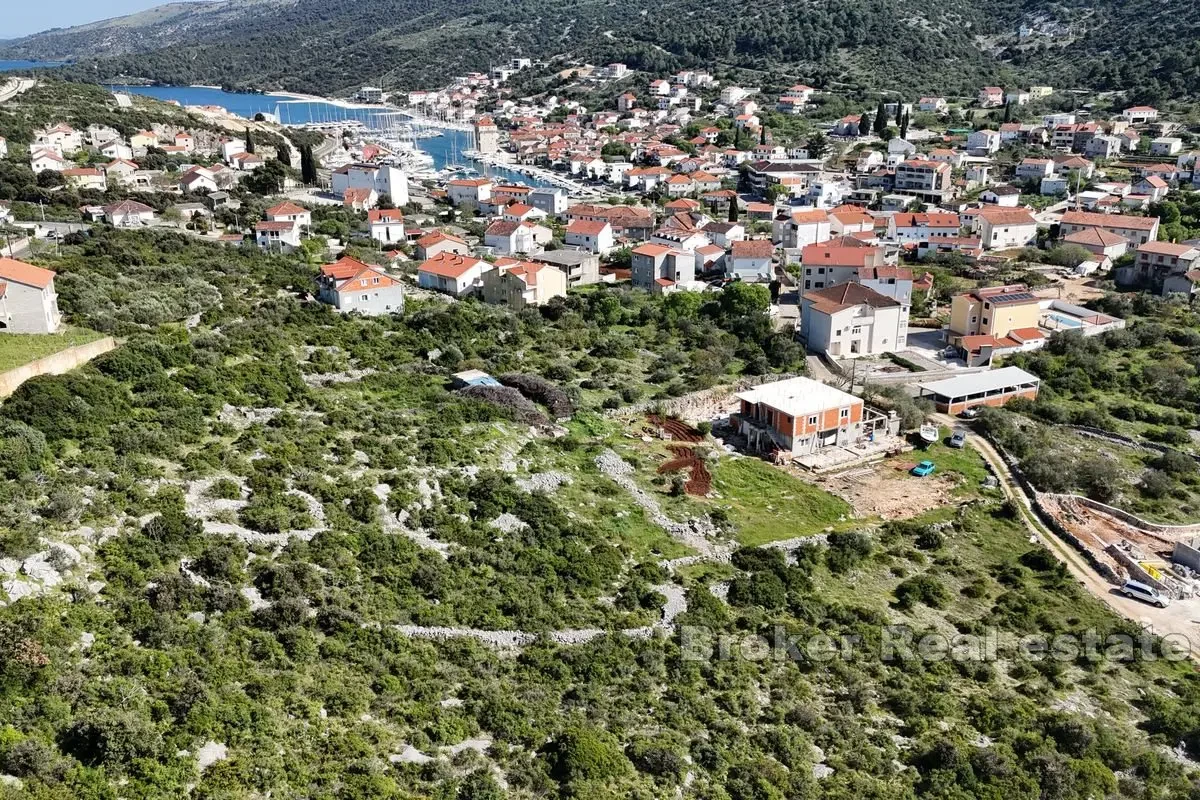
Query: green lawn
(767,504)
(17,349)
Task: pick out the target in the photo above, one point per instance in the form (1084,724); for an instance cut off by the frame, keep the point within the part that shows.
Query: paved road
(1177,619)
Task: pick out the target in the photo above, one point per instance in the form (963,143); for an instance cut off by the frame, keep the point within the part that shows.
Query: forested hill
(943,46)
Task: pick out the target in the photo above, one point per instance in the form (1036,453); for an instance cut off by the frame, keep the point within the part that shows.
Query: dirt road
(1180,618)
(14,86)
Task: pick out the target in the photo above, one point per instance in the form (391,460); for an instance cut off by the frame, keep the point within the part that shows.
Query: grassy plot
(767,504)
(18,349)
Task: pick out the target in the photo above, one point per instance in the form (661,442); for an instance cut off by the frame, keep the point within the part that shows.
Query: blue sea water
(8,66)
(445,149)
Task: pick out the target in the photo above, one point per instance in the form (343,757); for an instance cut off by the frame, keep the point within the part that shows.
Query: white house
(983,142)
(129,214)
(470,192)
(382,178)
(594,236)
(288,211)
(198,179)
(1140,115)
(506,237)
(1001,228)
(386,226)
(120,170)
(850,320)
(116,149)
(750,260)
(283,236)
(350,285)
(42,160)
(804,228)
(453,274)
(28,301)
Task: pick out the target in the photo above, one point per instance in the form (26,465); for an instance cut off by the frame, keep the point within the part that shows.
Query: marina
(445,149)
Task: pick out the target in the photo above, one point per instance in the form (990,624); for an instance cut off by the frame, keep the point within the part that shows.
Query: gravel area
(544,482)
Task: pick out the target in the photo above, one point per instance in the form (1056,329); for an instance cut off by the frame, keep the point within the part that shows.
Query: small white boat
(929,433)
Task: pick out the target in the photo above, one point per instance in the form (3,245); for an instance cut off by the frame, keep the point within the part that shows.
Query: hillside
(952,45)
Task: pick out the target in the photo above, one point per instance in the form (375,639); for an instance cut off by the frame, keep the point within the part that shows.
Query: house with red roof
(662,268)
(386,225)
(28,301)
(594,236)
(751,260)
(436,242)
(851,320)
(520,284)
(350,285)
(288,211)
(452,274)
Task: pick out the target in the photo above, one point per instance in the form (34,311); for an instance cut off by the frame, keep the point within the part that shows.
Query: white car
(1147,594)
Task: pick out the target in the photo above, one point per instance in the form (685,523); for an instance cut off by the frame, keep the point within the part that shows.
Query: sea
(446,149)
(9,66)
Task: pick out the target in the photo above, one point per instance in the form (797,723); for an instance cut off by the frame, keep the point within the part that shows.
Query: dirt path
(1175,619)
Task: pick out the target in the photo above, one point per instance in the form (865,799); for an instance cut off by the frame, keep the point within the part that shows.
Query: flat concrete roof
(799,397)
(977,382)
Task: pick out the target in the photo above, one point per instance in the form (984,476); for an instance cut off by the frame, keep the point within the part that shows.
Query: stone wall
(698,406)
(56,364)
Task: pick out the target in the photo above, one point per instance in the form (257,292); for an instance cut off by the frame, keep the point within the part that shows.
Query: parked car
(1145,593)
(923,469)
(969,413)
(958,440)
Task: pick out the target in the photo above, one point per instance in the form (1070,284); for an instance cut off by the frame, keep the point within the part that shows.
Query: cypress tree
(899,113)
(881,119)
(733,209)
(1007,112)
(308,165)
(904,127)
(249,141)
(864,124)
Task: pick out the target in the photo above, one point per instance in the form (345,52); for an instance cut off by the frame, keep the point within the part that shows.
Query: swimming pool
(1066,322)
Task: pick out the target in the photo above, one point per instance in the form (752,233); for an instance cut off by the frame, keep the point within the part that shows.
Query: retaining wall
(56,364)
(699,405)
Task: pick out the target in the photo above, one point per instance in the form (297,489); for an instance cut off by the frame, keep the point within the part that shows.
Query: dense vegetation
(168,634)
(336,45)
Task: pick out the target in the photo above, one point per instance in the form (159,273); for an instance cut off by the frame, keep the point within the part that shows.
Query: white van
(1147,594)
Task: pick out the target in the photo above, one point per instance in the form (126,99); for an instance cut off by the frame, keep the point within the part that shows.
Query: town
(654,350)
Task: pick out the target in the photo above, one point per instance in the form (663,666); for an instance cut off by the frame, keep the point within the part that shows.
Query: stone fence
(56,364)
(699,405)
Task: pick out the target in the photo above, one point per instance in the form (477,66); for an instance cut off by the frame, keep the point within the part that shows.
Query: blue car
(923,469)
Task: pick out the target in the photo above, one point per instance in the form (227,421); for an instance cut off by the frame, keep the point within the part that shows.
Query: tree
(585,754)
(864,124)
(904,127)
(818,145)
(249,141)
(308,165)
(740,299)
(733,209)
(1007,111)
(762,136)
(899,114)
(881,118)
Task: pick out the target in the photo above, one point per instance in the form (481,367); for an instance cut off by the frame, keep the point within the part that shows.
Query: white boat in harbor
(929,433)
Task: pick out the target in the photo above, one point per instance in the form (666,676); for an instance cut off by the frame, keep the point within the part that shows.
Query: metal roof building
(990,388)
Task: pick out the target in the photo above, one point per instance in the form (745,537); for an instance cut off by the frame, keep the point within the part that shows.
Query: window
(985,320)
(845,413)
(812,420)
(374,280)
(365,298)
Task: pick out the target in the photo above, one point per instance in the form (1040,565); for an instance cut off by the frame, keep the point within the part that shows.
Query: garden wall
(56,364)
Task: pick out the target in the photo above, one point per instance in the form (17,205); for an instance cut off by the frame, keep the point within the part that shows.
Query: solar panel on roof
(1015,297)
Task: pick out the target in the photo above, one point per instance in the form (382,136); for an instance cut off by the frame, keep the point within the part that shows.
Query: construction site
(1119,544)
